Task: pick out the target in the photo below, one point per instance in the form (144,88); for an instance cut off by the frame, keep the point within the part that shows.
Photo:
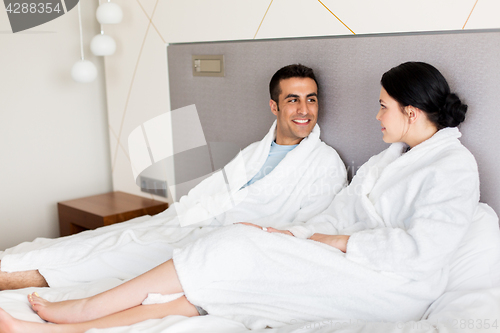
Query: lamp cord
(81,35)
(98,4)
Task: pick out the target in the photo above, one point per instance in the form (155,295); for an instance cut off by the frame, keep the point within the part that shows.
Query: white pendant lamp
(103,45)
(109,13)
(83,71)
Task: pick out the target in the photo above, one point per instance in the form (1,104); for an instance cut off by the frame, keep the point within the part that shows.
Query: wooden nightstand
(104,209)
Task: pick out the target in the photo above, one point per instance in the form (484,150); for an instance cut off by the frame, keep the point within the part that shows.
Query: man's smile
(301,121)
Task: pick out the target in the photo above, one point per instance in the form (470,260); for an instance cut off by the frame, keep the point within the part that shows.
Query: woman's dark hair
(288,72)
(422,86)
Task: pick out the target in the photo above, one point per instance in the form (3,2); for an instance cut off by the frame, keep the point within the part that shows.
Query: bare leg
(161,279)
(131,316)
(18,280)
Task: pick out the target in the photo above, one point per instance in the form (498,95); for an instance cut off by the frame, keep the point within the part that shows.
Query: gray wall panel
(235,108)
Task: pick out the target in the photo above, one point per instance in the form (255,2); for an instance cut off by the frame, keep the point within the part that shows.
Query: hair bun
(453,112)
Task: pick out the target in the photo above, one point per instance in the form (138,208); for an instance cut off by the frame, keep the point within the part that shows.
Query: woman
(379,252)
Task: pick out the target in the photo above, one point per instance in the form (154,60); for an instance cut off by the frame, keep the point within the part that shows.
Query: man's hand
(269,229)
(337,241)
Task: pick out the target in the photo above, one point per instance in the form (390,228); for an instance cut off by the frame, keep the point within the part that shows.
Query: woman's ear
(412,113)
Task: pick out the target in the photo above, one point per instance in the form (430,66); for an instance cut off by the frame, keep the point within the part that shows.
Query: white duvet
(471,302)
(453,312)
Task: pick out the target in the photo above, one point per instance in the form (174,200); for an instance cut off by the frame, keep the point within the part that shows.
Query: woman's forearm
(337,241)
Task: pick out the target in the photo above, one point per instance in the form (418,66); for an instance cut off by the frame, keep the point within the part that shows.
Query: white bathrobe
(301,186)
(406,214)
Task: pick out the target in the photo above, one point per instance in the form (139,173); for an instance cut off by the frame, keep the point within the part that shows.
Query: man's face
(297,110)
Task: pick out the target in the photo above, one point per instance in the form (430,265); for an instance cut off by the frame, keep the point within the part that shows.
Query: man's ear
(274,107)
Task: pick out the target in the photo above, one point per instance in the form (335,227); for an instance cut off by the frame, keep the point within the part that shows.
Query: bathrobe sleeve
(331,178)
(442,198)
(215,182)
(211,197)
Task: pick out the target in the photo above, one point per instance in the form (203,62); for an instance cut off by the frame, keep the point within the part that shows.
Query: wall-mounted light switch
(208,65)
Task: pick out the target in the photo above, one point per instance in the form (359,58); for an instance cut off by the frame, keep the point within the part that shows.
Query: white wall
(54,143)
(136,76)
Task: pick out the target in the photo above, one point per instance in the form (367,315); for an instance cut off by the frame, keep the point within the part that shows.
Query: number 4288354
(40,8)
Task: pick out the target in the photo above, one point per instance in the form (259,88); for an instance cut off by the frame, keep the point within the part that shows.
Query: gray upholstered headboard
(235,108)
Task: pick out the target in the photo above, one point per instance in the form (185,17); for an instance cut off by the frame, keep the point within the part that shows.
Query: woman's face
(394,122)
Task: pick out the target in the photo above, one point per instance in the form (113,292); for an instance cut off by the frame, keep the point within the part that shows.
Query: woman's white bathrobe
(300,187)
(406,214)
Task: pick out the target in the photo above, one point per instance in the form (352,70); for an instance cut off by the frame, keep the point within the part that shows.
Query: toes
(32,302)
(35,300)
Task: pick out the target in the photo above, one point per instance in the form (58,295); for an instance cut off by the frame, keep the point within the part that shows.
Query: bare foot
(8,324)
(65,312)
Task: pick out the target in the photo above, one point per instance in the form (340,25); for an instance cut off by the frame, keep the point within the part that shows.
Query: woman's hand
(337,241)
(250,224)
(269,229)
(286,232)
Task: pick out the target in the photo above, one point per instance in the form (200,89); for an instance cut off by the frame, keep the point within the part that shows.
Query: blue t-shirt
(276,154)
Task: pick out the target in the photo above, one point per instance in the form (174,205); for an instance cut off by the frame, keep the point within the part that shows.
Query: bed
(234,109)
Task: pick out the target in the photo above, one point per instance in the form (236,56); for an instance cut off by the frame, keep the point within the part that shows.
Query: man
(281,181)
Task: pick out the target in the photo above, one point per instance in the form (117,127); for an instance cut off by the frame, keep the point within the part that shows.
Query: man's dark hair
(288,72)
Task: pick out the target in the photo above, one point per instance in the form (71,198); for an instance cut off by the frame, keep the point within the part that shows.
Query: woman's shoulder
(452,168)
(456,155)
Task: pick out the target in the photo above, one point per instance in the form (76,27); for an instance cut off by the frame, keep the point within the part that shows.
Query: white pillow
(476,264)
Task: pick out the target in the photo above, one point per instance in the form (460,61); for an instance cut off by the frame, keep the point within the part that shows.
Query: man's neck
(287,141)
